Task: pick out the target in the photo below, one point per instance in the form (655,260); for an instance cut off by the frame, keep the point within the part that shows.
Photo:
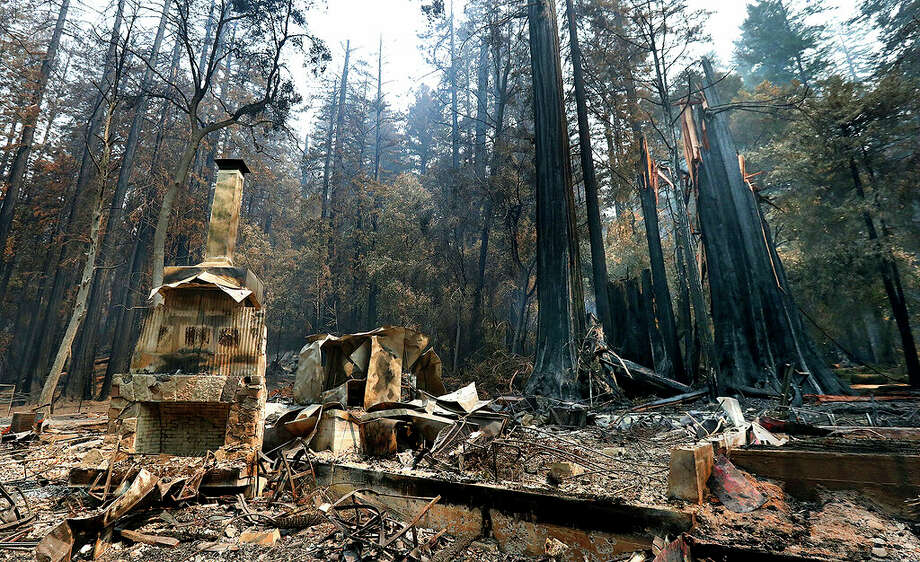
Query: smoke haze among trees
(487,198)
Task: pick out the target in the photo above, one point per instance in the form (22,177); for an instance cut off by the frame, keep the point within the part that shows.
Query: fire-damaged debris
(507,490)
(371,531)
(733,487)
(675,551)
(379,359)
(428,473)
(377,459)
(15,511)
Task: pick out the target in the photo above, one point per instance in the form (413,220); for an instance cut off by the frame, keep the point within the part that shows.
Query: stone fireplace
(197,377)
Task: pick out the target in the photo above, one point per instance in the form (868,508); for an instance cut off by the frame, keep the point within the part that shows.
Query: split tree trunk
(757,327)
(669,363)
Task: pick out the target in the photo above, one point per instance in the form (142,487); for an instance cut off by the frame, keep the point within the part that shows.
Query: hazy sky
(400,21)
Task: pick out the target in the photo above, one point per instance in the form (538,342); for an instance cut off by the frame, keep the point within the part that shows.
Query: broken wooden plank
(521,519)
(831,469)
(888,478)
(155,540)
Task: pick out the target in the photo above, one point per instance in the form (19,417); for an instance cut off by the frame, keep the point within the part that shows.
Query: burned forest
(473,280)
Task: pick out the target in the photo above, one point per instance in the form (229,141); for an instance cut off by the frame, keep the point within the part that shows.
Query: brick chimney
(225,211)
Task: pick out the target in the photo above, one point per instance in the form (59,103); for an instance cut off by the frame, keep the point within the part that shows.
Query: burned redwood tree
(758,328)
(558,282)
(668,359)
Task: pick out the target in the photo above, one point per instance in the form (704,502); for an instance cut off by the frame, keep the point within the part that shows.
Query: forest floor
(622,458)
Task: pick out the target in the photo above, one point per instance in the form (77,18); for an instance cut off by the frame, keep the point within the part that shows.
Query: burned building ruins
(197,377)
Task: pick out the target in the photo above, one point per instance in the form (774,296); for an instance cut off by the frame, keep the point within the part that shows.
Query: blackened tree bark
(891,279)
(479,151)
(598,254)
(757,326)
(668,364)
(648,303)
(557,321)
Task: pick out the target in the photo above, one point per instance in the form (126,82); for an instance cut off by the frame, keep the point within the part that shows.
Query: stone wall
(234,404)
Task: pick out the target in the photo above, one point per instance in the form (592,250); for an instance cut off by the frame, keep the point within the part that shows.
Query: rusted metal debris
(371,531)
(439,475)
(367,368)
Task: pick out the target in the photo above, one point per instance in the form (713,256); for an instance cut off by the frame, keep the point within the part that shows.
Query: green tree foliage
(820,215)
(899,27)
(779,45)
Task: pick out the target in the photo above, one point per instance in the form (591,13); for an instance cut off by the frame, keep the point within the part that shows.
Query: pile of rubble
(380,462)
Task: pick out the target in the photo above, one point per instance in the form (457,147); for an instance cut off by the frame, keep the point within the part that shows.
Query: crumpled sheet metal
(226,284)
(466,399)
(58,545)
(380,356)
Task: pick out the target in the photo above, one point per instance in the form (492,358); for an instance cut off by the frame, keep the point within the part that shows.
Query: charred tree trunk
(755,320)
(649,314)
(891,279)
(598,254)
(627,305)
(482,82)
(670,363)
(559,309)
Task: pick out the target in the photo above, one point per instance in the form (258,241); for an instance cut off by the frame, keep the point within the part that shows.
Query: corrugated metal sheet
(202,331)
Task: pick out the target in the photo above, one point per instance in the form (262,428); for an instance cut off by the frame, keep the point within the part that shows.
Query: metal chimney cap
(232,164)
